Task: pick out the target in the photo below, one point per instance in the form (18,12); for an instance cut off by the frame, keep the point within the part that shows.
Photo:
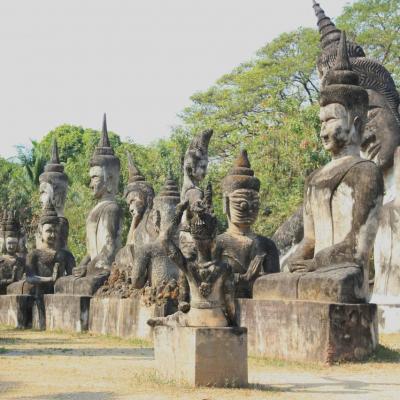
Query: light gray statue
(103,224)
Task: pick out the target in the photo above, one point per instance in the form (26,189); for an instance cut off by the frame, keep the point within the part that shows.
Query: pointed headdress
(54,170)
(241,176)
(103,153)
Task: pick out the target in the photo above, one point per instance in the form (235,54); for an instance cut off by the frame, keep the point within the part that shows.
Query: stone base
(389,318)
(65,312)
(308,331)
(16,310)
(202,356)
(122,317)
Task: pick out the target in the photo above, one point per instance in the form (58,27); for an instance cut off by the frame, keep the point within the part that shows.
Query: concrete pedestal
(16,310)
(307,331)
(65,312)
(389,318)
(202,356)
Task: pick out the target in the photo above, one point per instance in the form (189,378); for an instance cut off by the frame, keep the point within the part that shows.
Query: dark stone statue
(342,201)
(211,281)
(53,189)
(12,265)
(249,254)
(145,266)
(103,224)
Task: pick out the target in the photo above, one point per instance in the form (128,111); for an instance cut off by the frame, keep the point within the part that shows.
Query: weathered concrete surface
(308,331)
(389,318)
(202,356)
(65,312)
(16,310)
(121,317)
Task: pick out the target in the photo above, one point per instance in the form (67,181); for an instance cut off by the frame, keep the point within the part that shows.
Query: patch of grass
(134,342)
(3,350)
(384,354)
(274,363)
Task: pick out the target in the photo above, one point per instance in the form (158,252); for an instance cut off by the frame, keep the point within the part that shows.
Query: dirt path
(49,366)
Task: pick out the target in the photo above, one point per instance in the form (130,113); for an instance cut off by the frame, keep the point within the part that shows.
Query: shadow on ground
(74,396)
(136,353)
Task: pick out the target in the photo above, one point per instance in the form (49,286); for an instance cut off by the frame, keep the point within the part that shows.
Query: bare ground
(49,366)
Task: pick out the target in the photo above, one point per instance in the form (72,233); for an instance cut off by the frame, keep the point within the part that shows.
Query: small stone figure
(387,250)
(12,265)
(211,281)
(46,264)
(139,195)
(103,225)
(342,201)
(239,246)
(53,189)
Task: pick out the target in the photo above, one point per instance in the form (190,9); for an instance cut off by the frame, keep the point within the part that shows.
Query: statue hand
(184,306)
(56,269)
(302,265)
(79,272)
(254,269)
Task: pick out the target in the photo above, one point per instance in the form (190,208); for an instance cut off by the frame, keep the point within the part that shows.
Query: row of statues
(173,255)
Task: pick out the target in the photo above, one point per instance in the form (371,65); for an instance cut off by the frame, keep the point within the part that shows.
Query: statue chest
(332,214)
(236,250)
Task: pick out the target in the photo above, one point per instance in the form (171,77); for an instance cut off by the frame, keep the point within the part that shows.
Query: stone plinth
(307,331)
(16,310)
(389,318)
(202,356)
(65,312)
(122,317)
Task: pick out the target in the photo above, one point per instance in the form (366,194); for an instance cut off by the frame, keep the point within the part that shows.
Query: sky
(68,61)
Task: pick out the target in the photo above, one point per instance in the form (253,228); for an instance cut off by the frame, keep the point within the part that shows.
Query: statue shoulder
(365,173)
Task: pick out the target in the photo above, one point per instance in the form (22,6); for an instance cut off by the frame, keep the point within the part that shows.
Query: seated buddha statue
(103,224)
(342,201)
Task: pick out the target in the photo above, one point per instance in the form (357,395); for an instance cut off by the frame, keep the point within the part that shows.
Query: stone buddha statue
(145,264)
(211,280)
(342,201)
(249,254)
(382,131)
(103,224)
(53,189)
(12,265)
(139,195)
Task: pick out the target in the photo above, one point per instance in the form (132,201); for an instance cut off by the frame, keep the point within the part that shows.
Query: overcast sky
(68,61)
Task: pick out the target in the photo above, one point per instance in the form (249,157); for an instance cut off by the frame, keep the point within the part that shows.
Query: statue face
(244,205)
(338,128)
(137,203)
(46,193)
(382,132)
(187,246)
(11,245)
(97,182)
(198,166)
(49,235)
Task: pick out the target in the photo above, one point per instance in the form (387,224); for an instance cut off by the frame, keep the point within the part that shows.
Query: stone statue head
(139,194)
(10,232)
(166,201)
(54,182)
(202,223)
(344,105)
(382,130)
(49,227)
(196,157)
(241,199)
(104,167)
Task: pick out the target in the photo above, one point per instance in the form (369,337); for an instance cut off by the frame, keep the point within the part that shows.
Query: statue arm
(305,250)
(111,221)
(367,183)
(140,267)
(229,296)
